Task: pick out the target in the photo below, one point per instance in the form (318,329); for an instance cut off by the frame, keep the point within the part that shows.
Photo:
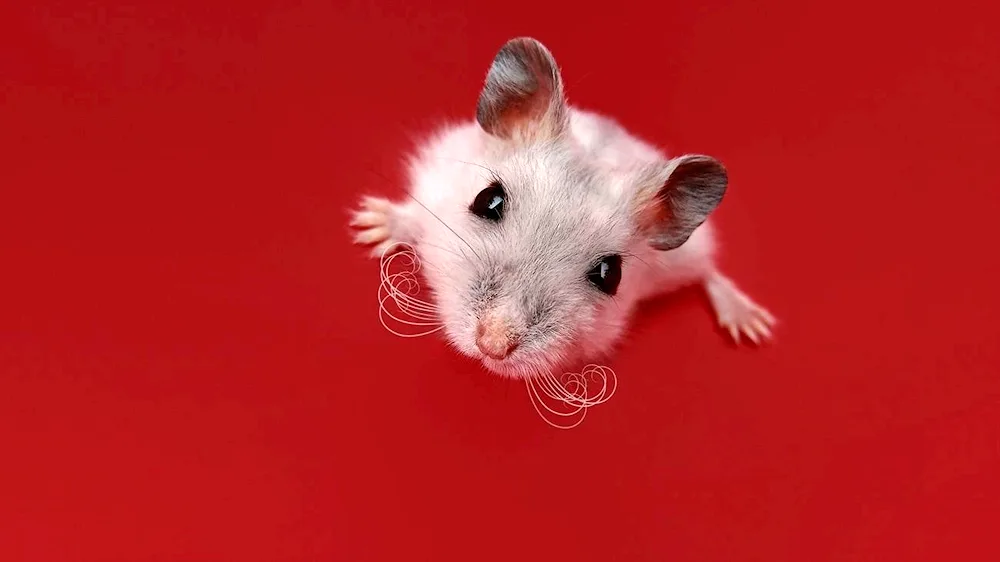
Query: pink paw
(374,225)
(738,313)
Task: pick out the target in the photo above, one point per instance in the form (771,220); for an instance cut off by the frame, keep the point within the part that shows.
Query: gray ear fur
(523,94)
(689,189)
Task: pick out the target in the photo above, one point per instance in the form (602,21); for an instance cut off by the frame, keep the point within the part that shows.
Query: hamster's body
(580,197)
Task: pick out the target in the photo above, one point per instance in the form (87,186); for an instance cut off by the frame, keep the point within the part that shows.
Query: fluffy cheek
(560,336)
(460,331)
(448,280)
(604,329)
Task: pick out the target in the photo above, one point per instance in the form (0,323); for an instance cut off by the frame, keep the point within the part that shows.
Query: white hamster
(541,226)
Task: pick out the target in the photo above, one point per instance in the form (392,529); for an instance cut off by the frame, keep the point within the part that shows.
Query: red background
(191,367)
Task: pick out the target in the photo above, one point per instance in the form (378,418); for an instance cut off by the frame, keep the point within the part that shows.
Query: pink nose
(494,339)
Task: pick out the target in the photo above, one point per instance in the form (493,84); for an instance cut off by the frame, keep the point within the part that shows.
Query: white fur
(571,200)
(445,178)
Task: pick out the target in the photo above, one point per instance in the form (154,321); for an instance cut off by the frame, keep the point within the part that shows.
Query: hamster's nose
(495,339)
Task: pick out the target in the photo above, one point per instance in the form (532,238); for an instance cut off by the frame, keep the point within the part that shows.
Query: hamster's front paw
(737,312)
(377,225)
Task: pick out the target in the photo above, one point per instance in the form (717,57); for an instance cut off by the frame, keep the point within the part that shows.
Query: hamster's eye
(489,203)
(606,274)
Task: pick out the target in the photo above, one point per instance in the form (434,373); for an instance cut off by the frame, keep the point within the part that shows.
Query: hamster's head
(537,264)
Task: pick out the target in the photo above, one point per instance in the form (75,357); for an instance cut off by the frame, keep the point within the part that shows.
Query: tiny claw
(762,328)
(768,317)
(367,219)
(740,313)
(376,204)
(372,235)
(734,332)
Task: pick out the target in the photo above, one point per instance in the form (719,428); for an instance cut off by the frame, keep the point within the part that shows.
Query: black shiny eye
(489,203)
(606,274)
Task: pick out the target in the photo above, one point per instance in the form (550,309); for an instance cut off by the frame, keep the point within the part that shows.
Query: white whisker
(536,400)
(572,393)
(409,305)
(384,311)
(399,288)
(571,390)
(406,303)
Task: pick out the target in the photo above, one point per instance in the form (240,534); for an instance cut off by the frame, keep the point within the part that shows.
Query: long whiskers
(492,174)
(572,391)
(399,289)
(459,236)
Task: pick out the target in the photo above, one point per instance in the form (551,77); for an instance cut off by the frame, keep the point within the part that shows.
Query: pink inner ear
(652,210)
(671,211)
(534,113)
(649,206)
(523,94)
(523,112)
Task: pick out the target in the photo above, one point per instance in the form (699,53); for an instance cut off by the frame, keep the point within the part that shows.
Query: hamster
(541,226)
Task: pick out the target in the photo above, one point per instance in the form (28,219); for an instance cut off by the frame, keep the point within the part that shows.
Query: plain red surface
(191,367)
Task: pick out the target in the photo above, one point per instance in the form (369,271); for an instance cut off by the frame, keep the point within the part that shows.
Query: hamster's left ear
(677,196)
(522,98)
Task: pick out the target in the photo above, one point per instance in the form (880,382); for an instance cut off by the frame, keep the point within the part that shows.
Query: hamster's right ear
(675,198)
(523,96)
